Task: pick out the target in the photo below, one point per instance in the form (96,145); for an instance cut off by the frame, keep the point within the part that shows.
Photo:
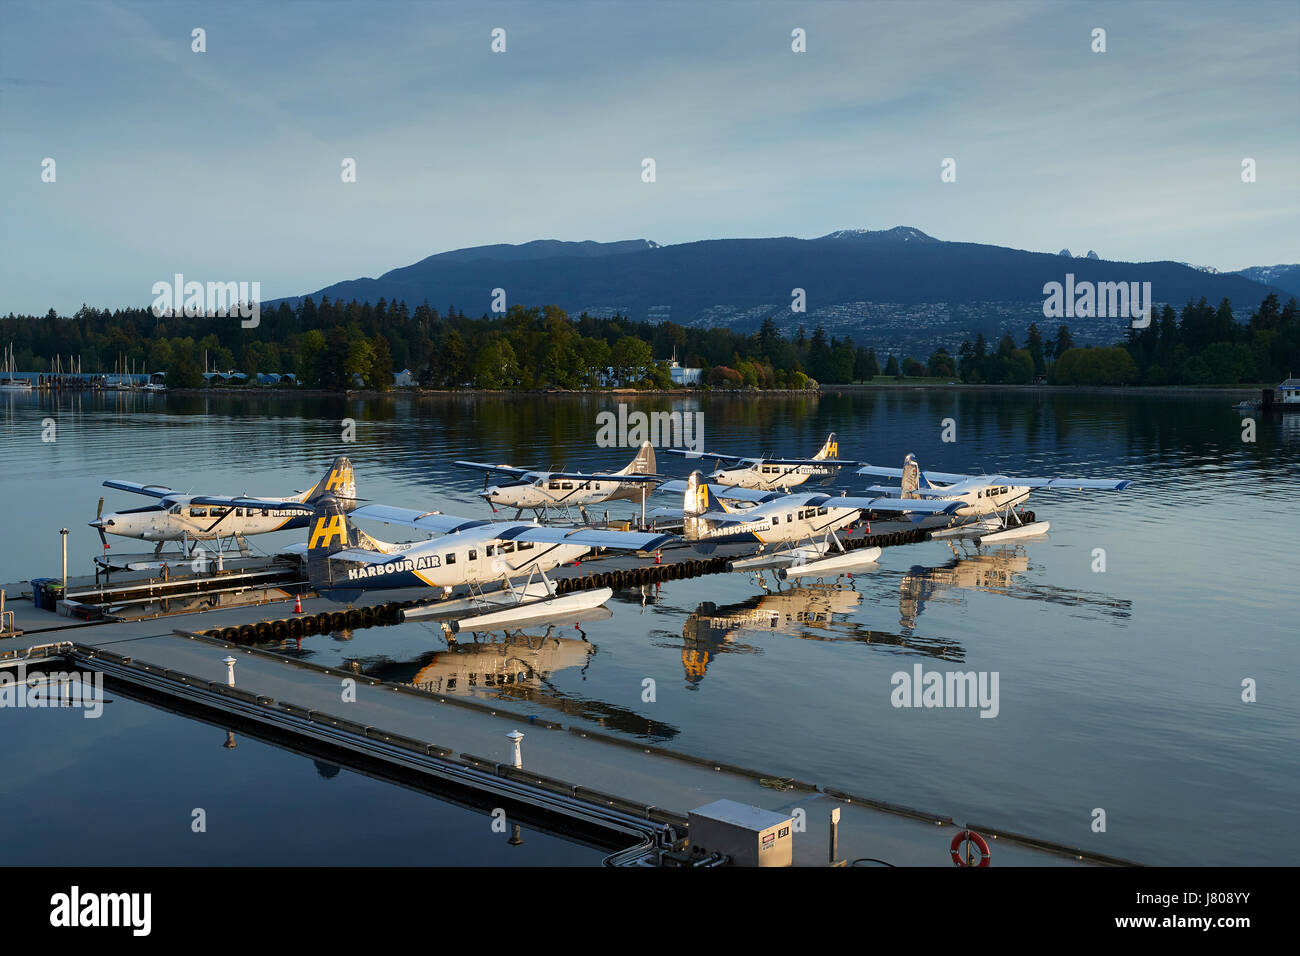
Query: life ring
(961,837)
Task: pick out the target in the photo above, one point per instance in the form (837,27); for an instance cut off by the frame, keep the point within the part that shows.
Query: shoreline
(1231,391)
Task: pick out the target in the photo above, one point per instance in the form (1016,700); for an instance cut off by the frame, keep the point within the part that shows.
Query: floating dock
(182,639)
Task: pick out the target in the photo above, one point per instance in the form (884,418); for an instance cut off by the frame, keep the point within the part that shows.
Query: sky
(226,165)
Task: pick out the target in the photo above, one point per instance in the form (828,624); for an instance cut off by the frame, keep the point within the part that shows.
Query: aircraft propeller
(99,525)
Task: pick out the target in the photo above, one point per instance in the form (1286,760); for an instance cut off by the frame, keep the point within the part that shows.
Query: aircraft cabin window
(239,512)
(198,512)
(266,512)
(567,485)
(821,511)
(508,547)
(555,486)
(451,557)
(473,554)
(525,545)
(491,549)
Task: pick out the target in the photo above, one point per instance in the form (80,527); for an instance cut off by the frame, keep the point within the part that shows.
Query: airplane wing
(688,453)
(503,469)
(154,491)
(434,521)
(983,481)
(599,476)
(588,537)
(832,462)
(728,492)
(1071,484)
(263,503)
(917,505)
(514,530)
(943,477)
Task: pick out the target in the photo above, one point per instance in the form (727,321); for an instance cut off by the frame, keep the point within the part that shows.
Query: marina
(635,798)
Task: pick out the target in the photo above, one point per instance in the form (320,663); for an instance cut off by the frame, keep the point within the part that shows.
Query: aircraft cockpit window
(525,545)
(508,547)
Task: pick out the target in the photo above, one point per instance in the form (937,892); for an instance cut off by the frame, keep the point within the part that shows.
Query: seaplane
(343,561)
(543,491)
(772,474)
(985,503)
(795,532)
(190,519)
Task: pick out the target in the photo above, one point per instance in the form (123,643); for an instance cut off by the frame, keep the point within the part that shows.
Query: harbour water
(1121,641)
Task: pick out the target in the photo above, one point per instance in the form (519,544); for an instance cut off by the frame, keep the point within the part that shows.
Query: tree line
(1202,345)
(337,345)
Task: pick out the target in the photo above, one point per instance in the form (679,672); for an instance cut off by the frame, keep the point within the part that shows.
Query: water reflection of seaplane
(989,500)
(542,491)
(799,528)
(190,518)
(994,571)
(513,658)
(772,474)
(712,630)
(343,561)
(524,666)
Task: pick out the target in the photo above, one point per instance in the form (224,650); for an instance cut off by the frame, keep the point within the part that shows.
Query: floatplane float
(772,474)
(986,502)
(796,533)
(544,491)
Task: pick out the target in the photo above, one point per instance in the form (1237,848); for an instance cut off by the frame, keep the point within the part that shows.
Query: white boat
(7,381)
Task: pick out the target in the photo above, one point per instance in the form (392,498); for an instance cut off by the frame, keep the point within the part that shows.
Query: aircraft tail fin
(697,500)
(829,450)
(643,463)
(339,483)
(912,481)
(331,532)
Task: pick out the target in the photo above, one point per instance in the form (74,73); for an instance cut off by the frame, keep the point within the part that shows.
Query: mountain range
(896,289)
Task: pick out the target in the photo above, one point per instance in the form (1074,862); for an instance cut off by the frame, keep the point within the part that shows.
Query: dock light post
(517,737)
(63,533)
(835,835)
(230,671)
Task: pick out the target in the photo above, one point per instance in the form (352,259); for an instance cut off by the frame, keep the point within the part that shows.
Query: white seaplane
(772,474)
(799,528)
(190,519)
(985,503)
(343,561)
(542,491)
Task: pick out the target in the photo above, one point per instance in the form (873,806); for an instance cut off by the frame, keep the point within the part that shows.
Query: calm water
(1119,690)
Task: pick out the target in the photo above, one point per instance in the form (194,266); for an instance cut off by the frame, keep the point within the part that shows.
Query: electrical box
(750,836)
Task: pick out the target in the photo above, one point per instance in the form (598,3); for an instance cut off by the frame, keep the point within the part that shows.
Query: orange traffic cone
(297,605)
(659,556)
